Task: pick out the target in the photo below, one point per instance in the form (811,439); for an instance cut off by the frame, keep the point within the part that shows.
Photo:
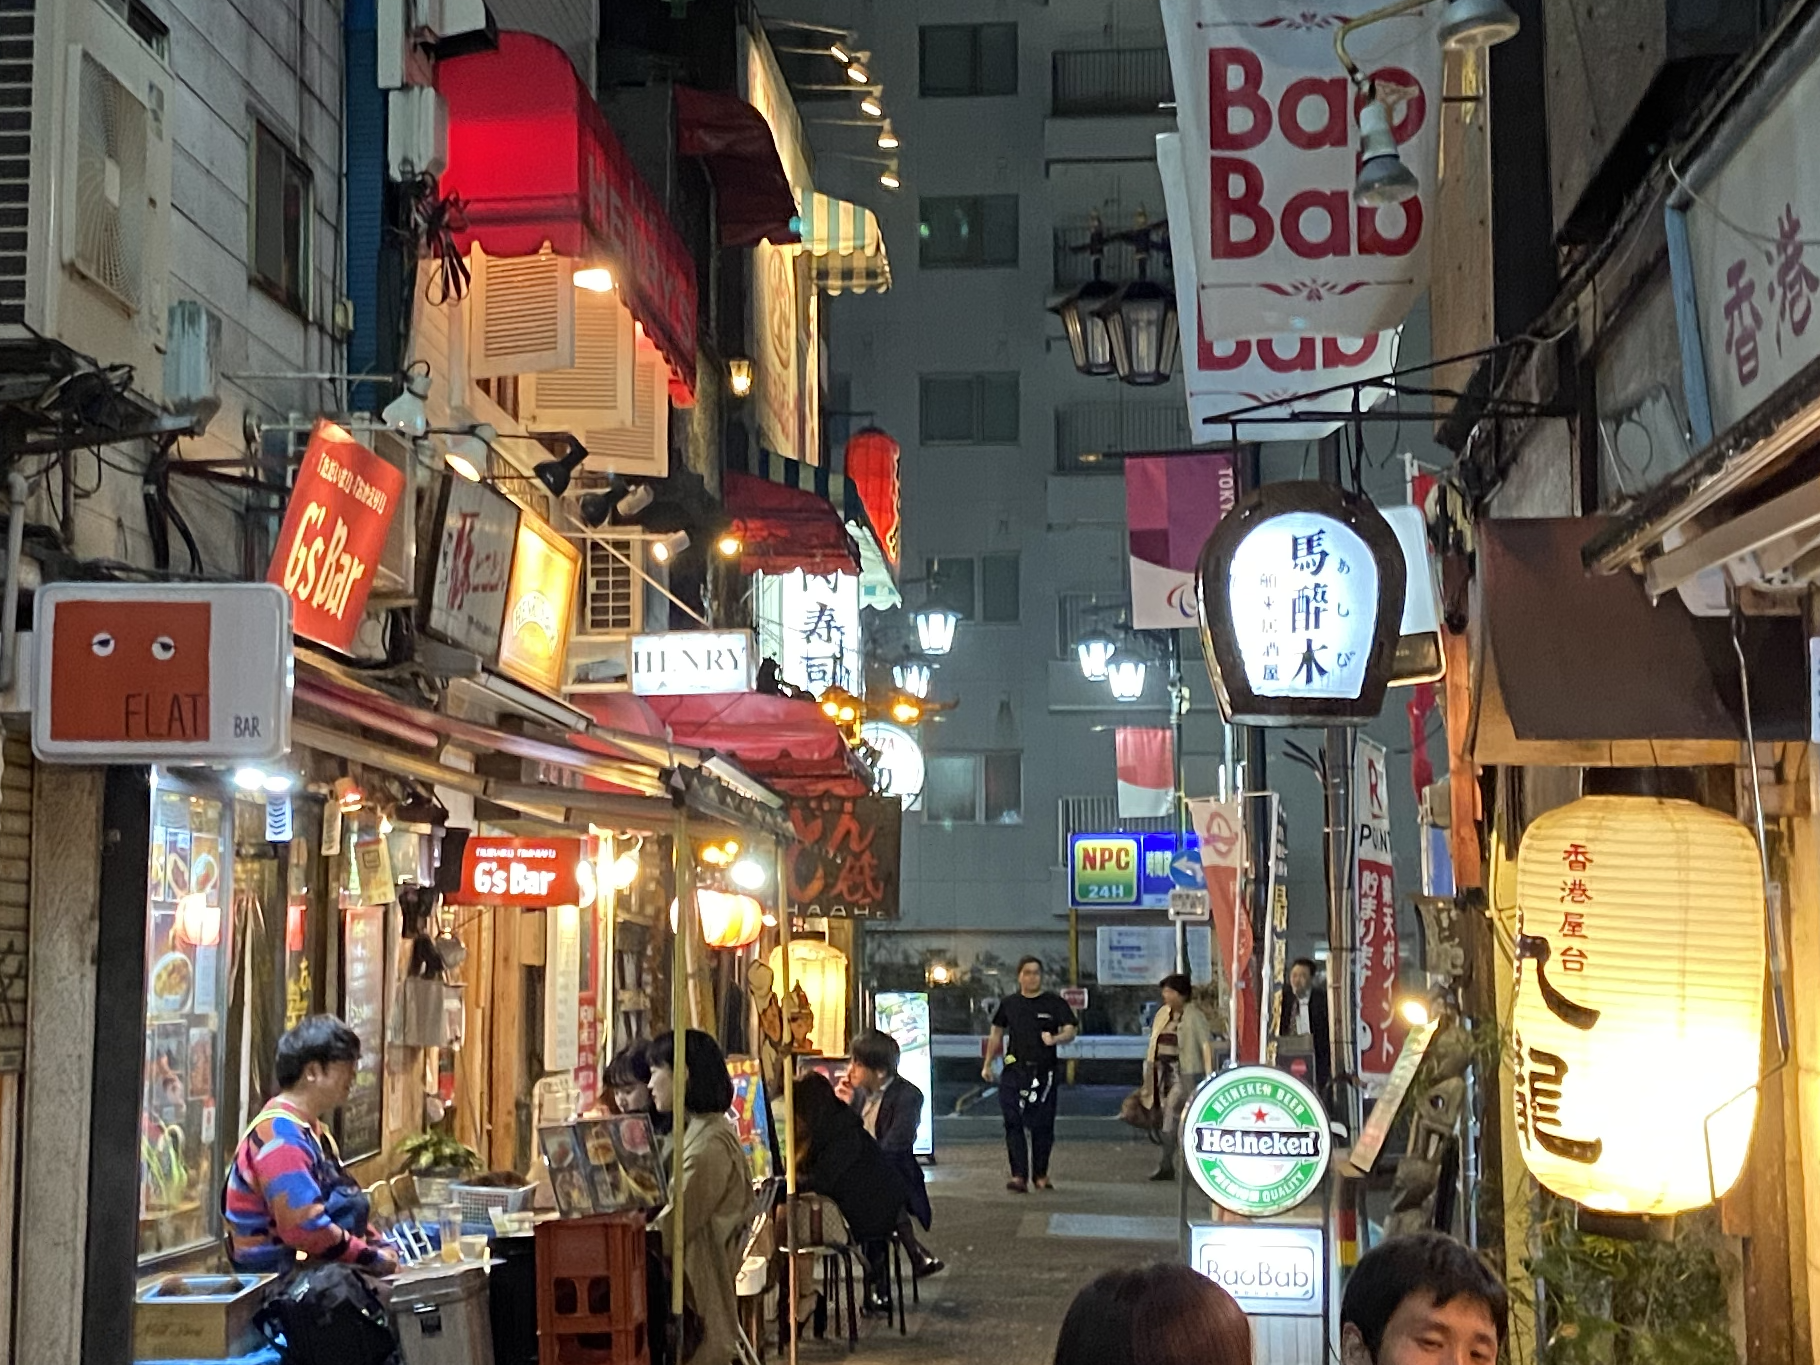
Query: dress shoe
(922,1270)
(1018,1185)
(1043,1183)
(876,1306)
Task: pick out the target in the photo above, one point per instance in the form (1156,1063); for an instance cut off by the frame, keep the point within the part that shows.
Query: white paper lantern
(1639,1002)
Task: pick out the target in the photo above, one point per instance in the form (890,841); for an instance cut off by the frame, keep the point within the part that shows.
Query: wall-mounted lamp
(739,376)
(596,279)
(665,548)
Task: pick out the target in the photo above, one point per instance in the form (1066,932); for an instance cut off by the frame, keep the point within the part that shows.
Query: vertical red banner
(1381,1028)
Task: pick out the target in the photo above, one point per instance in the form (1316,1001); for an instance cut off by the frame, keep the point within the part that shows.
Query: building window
(281,219)
(970,409)
(998,587)
(967,231)
(969,789)
(949,583)
(968,59)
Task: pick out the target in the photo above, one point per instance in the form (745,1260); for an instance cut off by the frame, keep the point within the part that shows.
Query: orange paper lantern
(728,919)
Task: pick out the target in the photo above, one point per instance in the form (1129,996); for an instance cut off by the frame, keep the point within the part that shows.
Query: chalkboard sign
(360,1129)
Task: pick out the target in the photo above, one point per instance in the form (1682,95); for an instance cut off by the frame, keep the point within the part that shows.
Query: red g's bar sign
(334,530)
(531,873)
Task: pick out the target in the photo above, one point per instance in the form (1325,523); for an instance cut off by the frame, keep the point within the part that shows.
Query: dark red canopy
(752,196)
(787,744)
(781,529)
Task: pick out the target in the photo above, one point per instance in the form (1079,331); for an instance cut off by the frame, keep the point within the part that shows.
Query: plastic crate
(475,1200)
(591,1291)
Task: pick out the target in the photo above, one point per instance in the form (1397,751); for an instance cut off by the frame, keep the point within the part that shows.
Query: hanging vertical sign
(1269,126)
(1381,1028)
(1172,504)
(821,640)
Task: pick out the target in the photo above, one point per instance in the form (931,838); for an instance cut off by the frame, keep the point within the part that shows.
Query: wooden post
(785,913)
(683,860)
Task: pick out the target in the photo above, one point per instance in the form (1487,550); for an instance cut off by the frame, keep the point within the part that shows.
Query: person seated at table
(626,1084)
(837,1158)
(891,1108)
(716,1191)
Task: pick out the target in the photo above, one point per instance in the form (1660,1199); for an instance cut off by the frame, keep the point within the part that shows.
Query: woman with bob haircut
(1157,1315)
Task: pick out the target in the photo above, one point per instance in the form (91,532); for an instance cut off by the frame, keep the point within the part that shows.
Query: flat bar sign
(162,673)
(1270,136)
(533,874)
(1270,1269)
(684,663)
(1375,907)
(334,530)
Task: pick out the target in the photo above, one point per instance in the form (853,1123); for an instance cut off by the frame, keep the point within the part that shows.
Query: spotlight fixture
(597,508)
(636,501)
(1477,23)
(625,869)
(596,279)
(554,474)
(406,412)
(665,548)
(857,74)
(839,53)
(889,180)
(871,108)
(729,546)
(462,465)
(1383,178)
(887,139)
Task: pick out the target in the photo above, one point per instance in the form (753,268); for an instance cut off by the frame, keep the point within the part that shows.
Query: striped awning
(845,246)
(878,586)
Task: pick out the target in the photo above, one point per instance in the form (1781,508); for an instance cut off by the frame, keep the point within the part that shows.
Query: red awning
(781,529)
(533,161)
(787,744)
(752,195)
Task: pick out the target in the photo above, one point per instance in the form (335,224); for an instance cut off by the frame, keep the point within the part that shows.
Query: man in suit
(1304,1010)
(892,1110)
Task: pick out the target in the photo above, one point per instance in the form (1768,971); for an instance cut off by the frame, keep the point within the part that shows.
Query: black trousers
(1027,1098)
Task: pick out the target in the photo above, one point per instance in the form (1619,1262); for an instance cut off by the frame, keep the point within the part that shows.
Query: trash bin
(440,1315)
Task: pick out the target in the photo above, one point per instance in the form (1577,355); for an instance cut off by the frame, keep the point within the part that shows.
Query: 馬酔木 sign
(1301,604)
(1255,1140)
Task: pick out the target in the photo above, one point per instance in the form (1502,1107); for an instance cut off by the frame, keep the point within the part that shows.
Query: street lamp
(914,676)
(1089,343)
(935,627)
(1125,674)
(1095,652)
(1143,330)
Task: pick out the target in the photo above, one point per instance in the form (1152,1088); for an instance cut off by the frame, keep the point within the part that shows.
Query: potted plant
(434,1160)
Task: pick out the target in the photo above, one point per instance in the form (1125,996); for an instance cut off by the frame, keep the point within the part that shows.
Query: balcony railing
(1074,263)
(1100,815)
(1095,82)
(1096,437)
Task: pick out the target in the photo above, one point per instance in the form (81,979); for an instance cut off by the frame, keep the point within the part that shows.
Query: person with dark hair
(1179,1057)
(1037,1022)
(716,1189)
(287,1195)
(627,1079)
(1304,1012)
(891,1108)
(1158,1315)
(837,1159)
(1422,1299)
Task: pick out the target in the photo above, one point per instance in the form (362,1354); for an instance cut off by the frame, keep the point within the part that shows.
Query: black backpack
(329,1314)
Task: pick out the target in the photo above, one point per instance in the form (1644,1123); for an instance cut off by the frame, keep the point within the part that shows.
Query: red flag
(1146,760)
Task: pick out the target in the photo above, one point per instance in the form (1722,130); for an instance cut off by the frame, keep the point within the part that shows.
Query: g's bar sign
(533,874)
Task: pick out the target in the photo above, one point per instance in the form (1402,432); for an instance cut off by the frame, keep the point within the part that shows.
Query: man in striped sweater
(287,1195)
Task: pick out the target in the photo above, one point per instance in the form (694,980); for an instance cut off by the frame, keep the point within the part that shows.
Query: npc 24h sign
(1255,1140)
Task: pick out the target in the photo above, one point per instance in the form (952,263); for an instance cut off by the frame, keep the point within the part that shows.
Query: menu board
(360,1128)
(187,925)
(905,1016)
(604,1165)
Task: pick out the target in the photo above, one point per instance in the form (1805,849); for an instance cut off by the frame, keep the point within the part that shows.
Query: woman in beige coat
(716,1192)
(1179,1057)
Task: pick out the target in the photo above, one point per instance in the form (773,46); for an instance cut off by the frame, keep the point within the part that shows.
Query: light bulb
(871,108)
(625,869)
(890,181)
(596,279)
(249,779)
(462,465)
(728,545)
(748,874)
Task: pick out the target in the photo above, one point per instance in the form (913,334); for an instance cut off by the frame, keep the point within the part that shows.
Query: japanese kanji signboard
(1374,909)
(820,625)
(1301,600)
(1638,1015)
(1750,260)
(845,855)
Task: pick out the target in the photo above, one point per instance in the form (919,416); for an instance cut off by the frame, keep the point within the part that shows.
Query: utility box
(441,1315)
(197,1317)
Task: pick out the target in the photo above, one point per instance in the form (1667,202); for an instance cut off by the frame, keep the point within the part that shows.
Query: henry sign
(1270,145)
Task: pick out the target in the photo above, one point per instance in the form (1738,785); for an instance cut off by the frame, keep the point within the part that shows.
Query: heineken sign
(1255,1140)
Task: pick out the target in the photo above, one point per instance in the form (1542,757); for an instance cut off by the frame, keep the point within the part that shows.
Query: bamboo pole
(785,913)
(683,860)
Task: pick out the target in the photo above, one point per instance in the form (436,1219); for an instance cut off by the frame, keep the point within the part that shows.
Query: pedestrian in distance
(891,1108)
(1422,1299)
(1157,1315)
(1180,1056)
(1028,1028)
(1304,1012)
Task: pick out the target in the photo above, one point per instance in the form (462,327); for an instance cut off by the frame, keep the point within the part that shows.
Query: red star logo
(1259,1114)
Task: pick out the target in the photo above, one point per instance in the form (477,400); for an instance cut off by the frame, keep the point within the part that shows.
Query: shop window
(281,209)
(970,409)
(999,587)
(1004,787)
(970,230)
(967,59)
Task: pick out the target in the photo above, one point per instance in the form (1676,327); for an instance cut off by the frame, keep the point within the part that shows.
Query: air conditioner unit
(115,196)
(610,612)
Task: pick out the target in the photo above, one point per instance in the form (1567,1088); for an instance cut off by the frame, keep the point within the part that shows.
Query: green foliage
(436,1152)
(1613,1301)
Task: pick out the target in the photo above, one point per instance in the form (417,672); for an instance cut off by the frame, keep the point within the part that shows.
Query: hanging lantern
(1125,675)
(872,468)
(1639,1002)
(1095,653)
(914,676)
(819,971)
(1143,331)
(935,627)
(1089,340)
(198,922)
(1301,603)
(728,919)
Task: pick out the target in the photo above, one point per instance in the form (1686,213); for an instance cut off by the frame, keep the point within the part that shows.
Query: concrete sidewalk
(1015,1261)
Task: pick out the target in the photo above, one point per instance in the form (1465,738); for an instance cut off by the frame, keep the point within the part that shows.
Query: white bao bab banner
(1270,147)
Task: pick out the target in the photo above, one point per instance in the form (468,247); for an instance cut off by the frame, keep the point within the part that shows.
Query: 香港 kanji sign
(1754,289)
(844,856)
(1270,148)
(334,530)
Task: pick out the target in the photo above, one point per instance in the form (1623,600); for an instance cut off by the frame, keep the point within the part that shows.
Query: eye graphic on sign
(144,668)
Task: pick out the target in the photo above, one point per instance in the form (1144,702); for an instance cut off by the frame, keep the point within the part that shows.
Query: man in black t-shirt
(1038,1022)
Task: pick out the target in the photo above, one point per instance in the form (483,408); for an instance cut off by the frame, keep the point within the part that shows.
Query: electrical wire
(1767,238)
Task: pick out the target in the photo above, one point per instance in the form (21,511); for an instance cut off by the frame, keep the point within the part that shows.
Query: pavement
(1015,1261)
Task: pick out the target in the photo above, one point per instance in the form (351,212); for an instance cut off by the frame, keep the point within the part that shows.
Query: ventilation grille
(593,385)
(110,212)
(521,313)
(612,589)
(638,448)
(16,57)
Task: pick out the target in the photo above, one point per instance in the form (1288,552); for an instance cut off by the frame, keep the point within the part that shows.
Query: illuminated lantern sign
(539,606)
(1639,1002)
(334,531)
(821,639)
(1301,600)
(1270,140)
(901,767)
(530,873)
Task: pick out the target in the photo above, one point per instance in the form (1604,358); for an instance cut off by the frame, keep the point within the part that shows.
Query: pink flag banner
(1146,766)
(1172,504)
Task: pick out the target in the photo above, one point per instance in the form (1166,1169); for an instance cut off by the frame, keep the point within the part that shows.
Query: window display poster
(905,1016)
(363,992)
(751,1114)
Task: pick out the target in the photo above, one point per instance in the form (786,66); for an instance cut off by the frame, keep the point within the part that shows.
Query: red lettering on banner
(1334,354)
(1336,206)
(1224,99)
(1247,204)
(1218,357)
(1374,243)
(1335,129)
(1299,361)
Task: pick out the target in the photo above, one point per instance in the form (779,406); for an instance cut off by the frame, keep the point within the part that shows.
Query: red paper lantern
(872,461)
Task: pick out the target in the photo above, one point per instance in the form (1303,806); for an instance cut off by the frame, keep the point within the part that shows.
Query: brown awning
(1575,668)
(752,195)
